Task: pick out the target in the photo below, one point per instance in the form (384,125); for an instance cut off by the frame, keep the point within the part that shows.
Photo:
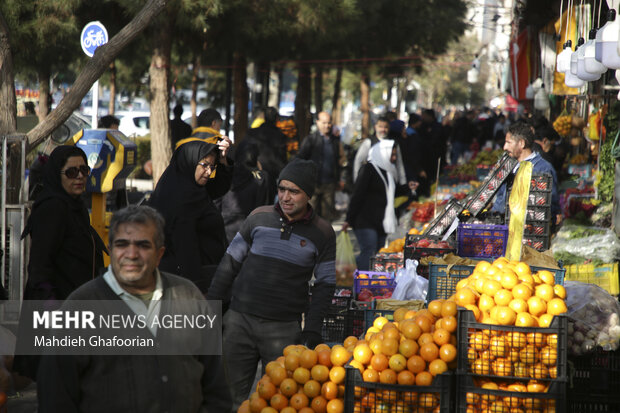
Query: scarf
(379,157)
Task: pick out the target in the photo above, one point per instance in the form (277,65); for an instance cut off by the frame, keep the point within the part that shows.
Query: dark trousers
(248,340)
(324,201)
(370,241)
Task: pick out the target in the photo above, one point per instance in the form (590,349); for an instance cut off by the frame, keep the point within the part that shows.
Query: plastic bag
(345,260)
(593,318)
(409,285)
(597,243)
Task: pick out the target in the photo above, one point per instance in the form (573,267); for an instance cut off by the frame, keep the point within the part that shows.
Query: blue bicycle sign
(93,35)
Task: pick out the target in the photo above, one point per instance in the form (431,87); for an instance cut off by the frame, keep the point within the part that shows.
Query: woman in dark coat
(251,187)
(65,250)
(195,238)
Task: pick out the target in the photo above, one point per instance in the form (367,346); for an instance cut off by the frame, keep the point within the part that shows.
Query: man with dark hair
(109,122)
(327,152)
(519,142)
(141,383)
(265,274)
(179,129)
(271,143)
(209,125)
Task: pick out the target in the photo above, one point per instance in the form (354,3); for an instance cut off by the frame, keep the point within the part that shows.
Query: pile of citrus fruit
(412,350)
(508,293)
(397,245)
(514,402)
(302,380)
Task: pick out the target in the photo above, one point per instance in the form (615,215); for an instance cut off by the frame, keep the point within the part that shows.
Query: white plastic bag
(409,285)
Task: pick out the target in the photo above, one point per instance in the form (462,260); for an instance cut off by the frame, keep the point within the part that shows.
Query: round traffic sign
(93,35)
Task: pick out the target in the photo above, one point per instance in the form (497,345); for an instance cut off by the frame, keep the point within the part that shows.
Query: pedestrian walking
(199,173)
(264,277)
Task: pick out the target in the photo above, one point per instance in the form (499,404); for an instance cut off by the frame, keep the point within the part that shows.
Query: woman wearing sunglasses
(199,172)
(65,251)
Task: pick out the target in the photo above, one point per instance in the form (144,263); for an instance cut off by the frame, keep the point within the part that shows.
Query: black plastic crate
(362,396)
(411,252)
(442,280)
(387,262)
(536,213)
(539,198)
(444,220)
(354,322)
(537,228)
(333,329)
(541,182)
(592,403)
(539,243)
(597,373)
(481,346)
(472,397)
(496,177)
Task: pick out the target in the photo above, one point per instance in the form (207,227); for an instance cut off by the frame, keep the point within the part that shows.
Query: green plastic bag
(345,260)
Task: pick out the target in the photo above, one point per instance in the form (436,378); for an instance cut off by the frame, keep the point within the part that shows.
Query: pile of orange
(508,293)
(398,245)
(487,402)
(302,380)
(412,350)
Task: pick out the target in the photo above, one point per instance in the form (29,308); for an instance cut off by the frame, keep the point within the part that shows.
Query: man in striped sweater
(265,274)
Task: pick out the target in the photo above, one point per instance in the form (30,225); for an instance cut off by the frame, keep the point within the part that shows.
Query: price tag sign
(93,35)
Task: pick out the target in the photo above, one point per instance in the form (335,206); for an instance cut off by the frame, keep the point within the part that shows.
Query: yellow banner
(517,204)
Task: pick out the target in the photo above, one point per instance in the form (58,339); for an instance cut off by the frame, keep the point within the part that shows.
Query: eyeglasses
(209,166)
(74,171)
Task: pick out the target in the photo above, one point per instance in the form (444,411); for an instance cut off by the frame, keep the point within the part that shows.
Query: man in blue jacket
(519,141)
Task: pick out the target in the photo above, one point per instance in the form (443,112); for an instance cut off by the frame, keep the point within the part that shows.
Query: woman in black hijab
(195,236)
(65,250)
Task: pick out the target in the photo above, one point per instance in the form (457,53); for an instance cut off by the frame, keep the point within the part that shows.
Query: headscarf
(52,184)
(246,160)
(379,157)
(177,193)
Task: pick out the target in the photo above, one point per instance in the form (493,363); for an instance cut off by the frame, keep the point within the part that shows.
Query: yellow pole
(98,219)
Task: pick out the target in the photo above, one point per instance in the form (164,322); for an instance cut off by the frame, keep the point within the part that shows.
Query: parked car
(134,123)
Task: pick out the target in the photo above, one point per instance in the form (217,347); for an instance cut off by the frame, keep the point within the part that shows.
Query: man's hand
(413,185)
(345,226)
(423,174)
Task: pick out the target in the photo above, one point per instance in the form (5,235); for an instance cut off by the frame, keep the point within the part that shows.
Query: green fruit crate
(362,396)
(505,352)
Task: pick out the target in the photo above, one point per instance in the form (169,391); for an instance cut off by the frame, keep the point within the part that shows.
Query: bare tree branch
(104,55)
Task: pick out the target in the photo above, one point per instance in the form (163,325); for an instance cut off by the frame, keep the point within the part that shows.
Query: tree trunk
(44,92)
(318,89)
(8,101)
(262,97)
(365,103)
(93,70)
(112,104)
(302,101)
(240,89)
(159,73)
(228,93)
(193,100)
(336,97)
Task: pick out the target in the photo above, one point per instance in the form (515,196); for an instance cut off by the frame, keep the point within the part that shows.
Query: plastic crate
(354,322)
(415,253)
(537,228)
(479,346)
(605,276)
(470,398)
(482,240)
(370,315)
(333,328)
(537,213)
(594,374)
(378,283)
(541,182)
(539,243)
(442,278)
(387,262)
(362,396)
(538,198)
(496,177)
(444,220)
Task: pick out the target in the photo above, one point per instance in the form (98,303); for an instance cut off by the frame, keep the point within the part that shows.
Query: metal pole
(95,95)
